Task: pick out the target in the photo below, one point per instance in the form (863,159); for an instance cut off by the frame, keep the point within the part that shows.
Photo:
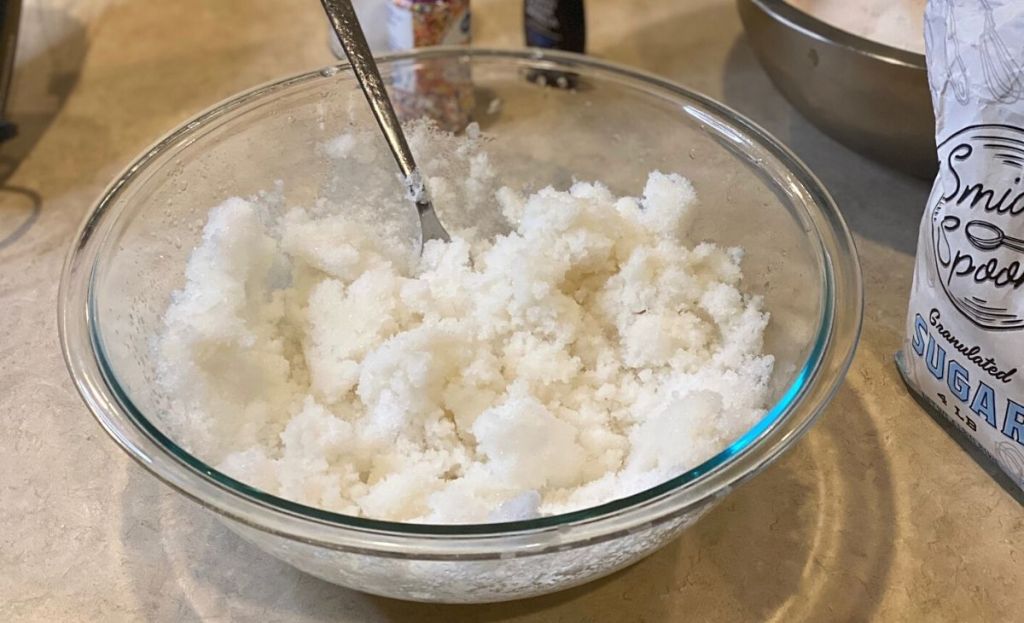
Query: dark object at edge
(559,25)
(10,14)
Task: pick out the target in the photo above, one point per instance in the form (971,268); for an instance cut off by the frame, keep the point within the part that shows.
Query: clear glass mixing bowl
(616,126)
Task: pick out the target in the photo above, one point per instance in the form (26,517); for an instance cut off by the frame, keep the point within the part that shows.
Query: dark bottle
(555,24)
(10,14)
(558,24)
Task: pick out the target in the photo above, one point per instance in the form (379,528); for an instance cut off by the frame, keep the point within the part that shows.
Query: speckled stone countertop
(876,515)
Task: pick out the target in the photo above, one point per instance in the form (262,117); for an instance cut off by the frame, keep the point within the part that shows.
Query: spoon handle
(1017,244)
(346,25)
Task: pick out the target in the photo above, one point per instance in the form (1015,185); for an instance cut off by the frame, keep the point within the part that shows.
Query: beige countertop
(875,515)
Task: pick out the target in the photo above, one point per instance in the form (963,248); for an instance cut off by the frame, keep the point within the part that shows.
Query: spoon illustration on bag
(989,237)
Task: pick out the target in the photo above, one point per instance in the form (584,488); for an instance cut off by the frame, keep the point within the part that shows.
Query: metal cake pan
(871,97)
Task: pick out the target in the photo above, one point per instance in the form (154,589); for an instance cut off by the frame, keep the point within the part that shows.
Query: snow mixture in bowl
(586,354)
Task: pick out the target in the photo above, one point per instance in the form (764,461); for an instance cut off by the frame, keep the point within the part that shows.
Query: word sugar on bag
(964,351)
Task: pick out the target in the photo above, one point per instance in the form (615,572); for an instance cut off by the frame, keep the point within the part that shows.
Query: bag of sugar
(964,350)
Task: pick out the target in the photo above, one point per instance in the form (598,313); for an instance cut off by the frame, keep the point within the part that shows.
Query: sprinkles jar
(443,92)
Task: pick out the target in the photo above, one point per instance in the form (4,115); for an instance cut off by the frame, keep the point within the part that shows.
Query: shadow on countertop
(809,539)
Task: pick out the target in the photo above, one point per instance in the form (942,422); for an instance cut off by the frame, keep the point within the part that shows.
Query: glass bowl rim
(96,381)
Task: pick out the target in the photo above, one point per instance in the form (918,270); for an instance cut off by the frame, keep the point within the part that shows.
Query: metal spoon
(988,237)
(346,25)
